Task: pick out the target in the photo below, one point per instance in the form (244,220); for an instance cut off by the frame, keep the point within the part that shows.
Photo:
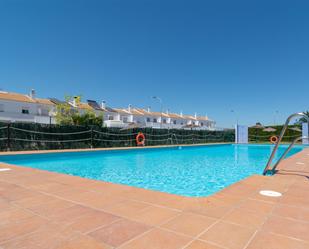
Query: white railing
(115,123)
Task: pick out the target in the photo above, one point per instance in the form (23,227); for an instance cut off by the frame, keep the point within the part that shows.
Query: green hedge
(257,135)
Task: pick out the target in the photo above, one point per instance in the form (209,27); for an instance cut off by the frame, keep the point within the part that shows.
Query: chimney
(167,111)
(195,115)
(32,94)
(129,107)
(103,104)
(148,109)
(181,114)
(75,101)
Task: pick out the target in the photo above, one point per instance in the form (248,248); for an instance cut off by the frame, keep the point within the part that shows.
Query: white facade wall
(112,119)
(149,121)
(139,119)
(207,125)
(111,116)
(126,118)
(15,111)
(177,123)
(115,123)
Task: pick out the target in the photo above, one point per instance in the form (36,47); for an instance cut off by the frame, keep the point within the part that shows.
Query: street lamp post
(233,111)
(275,117)
(160,100)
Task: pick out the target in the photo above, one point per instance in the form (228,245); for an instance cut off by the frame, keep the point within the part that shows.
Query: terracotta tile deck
(40,209)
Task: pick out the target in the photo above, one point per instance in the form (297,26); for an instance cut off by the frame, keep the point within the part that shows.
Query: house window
(148,120)
(174,122)
(45,112)
(202,124)
(164,121)
(181,123)
(1,107)
(25,110)
(155,120)
(110,117)
(125,119)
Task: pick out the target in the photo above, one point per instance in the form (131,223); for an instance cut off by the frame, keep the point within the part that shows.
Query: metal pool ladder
(174,135)
(268,167)
(171,138)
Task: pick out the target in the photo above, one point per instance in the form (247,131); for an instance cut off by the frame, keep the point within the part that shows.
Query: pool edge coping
(25,152)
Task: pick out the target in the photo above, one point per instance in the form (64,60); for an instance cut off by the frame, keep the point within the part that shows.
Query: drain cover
(4,169)
(270,193)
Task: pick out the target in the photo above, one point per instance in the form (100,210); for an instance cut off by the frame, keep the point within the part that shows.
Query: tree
(88,118)
(64,112)
(68,115)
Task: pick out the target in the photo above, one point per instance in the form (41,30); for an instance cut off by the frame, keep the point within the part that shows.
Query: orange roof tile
(141,111)
(152,113)
(137,112)
(175,115)
(205,118)
(134,111)
(23,98)
(15,97)
(170,115)
(159,114)
(44,101)
(84,106)
(189,117)
(120,110)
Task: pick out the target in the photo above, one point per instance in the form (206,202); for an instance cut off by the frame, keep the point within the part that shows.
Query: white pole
(305,133)
(236,134)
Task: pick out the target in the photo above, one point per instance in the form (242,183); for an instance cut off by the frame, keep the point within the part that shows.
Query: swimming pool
(187,171)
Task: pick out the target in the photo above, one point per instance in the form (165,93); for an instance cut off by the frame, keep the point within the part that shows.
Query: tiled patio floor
(40,209)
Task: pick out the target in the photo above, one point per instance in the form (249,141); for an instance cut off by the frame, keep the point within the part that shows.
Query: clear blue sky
(199,56)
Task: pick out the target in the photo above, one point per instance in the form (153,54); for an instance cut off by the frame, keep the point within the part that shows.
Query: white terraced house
(16,107)
(164,120)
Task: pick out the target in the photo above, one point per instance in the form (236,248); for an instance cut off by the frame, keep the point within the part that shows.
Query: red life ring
(140,139)
(273,139)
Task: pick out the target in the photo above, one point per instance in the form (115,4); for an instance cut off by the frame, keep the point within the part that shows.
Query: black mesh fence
(27,136)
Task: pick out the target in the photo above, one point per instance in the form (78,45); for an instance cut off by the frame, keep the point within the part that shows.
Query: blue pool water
(189,171)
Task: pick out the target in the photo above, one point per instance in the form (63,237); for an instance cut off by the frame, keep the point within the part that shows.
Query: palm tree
(303,119)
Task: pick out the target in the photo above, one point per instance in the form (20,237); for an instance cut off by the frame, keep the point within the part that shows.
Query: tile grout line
(293,238)
(148,231)
(219,220)
(266,219)
(236,207)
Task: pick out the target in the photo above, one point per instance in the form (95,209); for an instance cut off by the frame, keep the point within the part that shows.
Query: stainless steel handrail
(287,151)
(266,169)
(171,138)
(173,134)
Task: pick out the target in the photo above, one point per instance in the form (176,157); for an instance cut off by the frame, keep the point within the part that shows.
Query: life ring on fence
(273,139)
(140,139)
